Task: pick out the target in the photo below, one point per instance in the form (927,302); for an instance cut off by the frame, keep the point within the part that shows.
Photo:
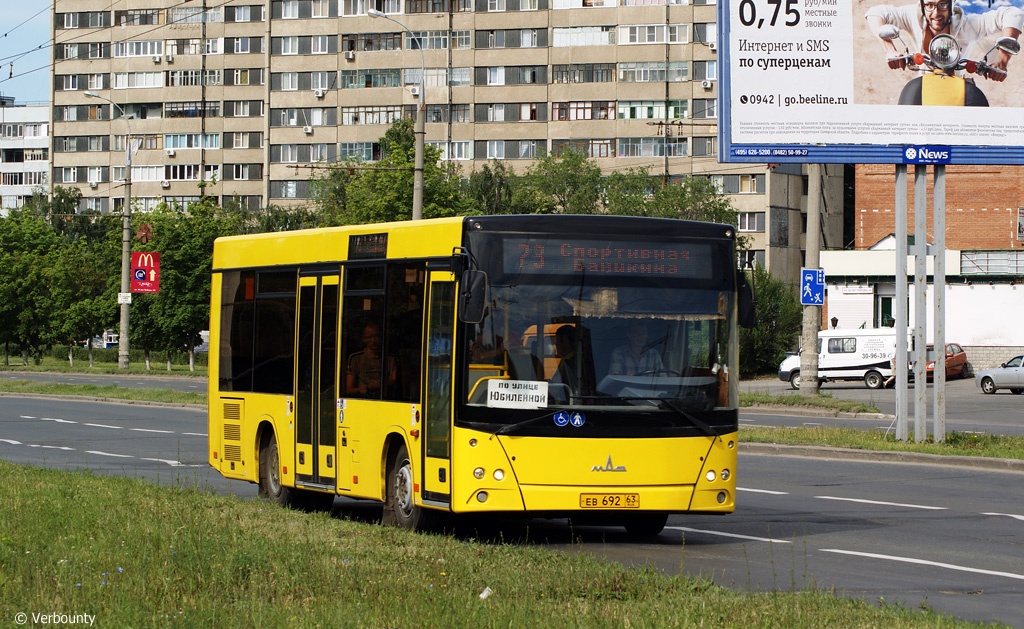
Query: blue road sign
(812,287)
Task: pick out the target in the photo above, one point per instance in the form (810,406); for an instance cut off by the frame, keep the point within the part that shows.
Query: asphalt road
(942,536)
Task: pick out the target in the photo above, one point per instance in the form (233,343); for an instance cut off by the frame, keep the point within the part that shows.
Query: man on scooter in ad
(928,18)
(945,35)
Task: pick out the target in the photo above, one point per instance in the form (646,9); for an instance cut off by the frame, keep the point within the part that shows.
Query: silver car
(1009,376)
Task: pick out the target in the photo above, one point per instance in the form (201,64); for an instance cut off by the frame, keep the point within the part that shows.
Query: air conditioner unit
(350,55)
(170,152)
(318,93)
(713,46)
(414,90)
(93,184)
(156,58)
(308,130)
(706,84)
(170,58)
(165,184)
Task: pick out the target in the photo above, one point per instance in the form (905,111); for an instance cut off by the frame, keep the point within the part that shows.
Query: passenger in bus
(568,371)
(365,366)
(635,357)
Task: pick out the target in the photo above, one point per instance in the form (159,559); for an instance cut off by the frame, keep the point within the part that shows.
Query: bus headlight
(499,474)
(726,474)
(478,473)
(481,496)
(710,476)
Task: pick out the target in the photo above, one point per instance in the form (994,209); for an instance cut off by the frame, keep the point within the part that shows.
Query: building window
(653,34)
(750,221)
(290,10)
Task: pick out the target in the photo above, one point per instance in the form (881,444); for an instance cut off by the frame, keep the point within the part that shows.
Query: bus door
(316,460)
(437,401)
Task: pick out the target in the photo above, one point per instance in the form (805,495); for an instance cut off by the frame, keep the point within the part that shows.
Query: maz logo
(609,467)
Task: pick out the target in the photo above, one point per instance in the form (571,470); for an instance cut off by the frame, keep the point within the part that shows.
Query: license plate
(609,501)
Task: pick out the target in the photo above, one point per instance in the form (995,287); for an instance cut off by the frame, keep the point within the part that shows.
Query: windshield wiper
(507,428)
(696,421)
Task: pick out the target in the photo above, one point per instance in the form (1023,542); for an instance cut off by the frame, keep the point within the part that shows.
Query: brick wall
(981,205)
(984,357)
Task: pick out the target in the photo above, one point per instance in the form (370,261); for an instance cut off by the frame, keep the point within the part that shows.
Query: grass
(135,367)
(136,555)
(823,402)
(109,392)
(956,443)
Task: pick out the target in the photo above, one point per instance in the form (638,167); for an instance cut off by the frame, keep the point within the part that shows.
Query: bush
(779,319)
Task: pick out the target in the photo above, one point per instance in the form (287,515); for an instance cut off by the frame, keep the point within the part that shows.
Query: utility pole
(812,314)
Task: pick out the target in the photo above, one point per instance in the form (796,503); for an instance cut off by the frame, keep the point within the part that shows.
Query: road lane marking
(104,426)
(46,447)
(12,442)
(59,421)
(733,535)
(763,491)
(1006,515)
(882,503)
(170,462)
(923,562)
(162,432)
(195,434)
(118,456)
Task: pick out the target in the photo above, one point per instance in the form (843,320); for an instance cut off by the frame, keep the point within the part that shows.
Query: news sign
(145,272)
(809,81)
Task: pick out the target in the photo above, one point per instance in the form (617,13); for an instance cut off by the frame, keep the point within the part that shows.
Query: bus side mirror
(472,296)
(745,305)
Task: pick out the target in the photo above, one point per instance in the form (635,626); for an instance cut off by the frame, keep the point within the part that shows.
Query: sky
(25,43)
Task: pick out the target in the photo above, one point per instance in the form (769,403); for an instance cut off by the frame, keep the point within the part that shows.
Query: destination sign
(573,256)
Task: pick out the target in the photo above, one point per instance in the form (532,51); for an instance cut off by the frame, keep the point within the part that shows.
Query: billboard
(815,81)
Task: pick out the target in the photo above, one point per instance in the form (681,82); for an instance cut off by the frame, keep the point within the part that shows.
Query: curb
(849,454)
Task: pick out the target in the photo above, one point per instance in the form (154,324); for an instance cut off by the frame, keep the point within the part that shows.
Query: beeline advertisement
(819,81)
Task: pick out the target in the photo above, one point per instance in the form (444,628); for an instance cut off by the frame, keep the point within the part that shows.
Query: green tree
(83,305)
(27,249)
(567,183)
(353,193)
(172,319)
(779,318)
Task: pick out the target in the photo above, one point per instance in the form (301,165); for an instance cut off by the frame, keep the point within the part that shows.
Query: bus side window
(404,328)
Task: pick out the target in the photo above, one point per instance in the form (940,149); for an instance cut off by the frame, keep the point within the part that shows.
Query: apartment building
(24,152)
(252,98)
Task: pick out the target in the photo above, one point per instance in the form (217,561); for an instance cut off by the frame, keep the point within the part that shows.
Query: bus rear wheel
(646,524)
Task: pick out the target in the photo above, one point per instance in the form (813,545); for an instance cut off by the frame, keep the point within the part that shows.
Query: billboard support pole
(920,300)
(939,286)
(900,308)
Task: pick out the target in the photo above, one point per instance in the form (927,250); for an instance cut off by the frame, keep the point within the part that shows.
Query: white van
(858,354)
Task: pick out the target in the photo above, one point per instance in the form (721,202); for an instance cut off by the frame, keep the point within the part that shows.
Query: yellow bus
(393,362)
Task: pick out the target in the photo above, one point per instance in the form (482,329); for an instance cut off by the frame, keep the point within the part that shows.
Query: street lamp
(125,297)
(421,114)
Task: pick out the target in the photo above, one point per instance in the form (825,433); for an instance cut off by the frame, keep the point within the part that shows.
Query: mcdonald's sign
(145,272)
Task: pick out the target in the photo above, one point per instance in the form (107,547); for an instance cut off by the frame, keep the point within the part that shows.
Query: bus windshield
(631,340)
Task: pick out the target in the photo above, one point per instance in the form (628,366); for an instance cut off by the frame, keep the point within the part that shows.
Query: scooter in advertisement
(944,80)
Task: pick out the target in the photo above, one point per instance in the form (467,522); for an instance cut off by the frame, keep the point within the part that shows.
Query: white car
(1008,376)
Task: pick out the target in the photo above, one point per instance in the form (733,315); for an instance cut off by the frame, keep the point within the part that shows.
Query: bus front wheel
(400,504)
(270,474)
(646,524)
